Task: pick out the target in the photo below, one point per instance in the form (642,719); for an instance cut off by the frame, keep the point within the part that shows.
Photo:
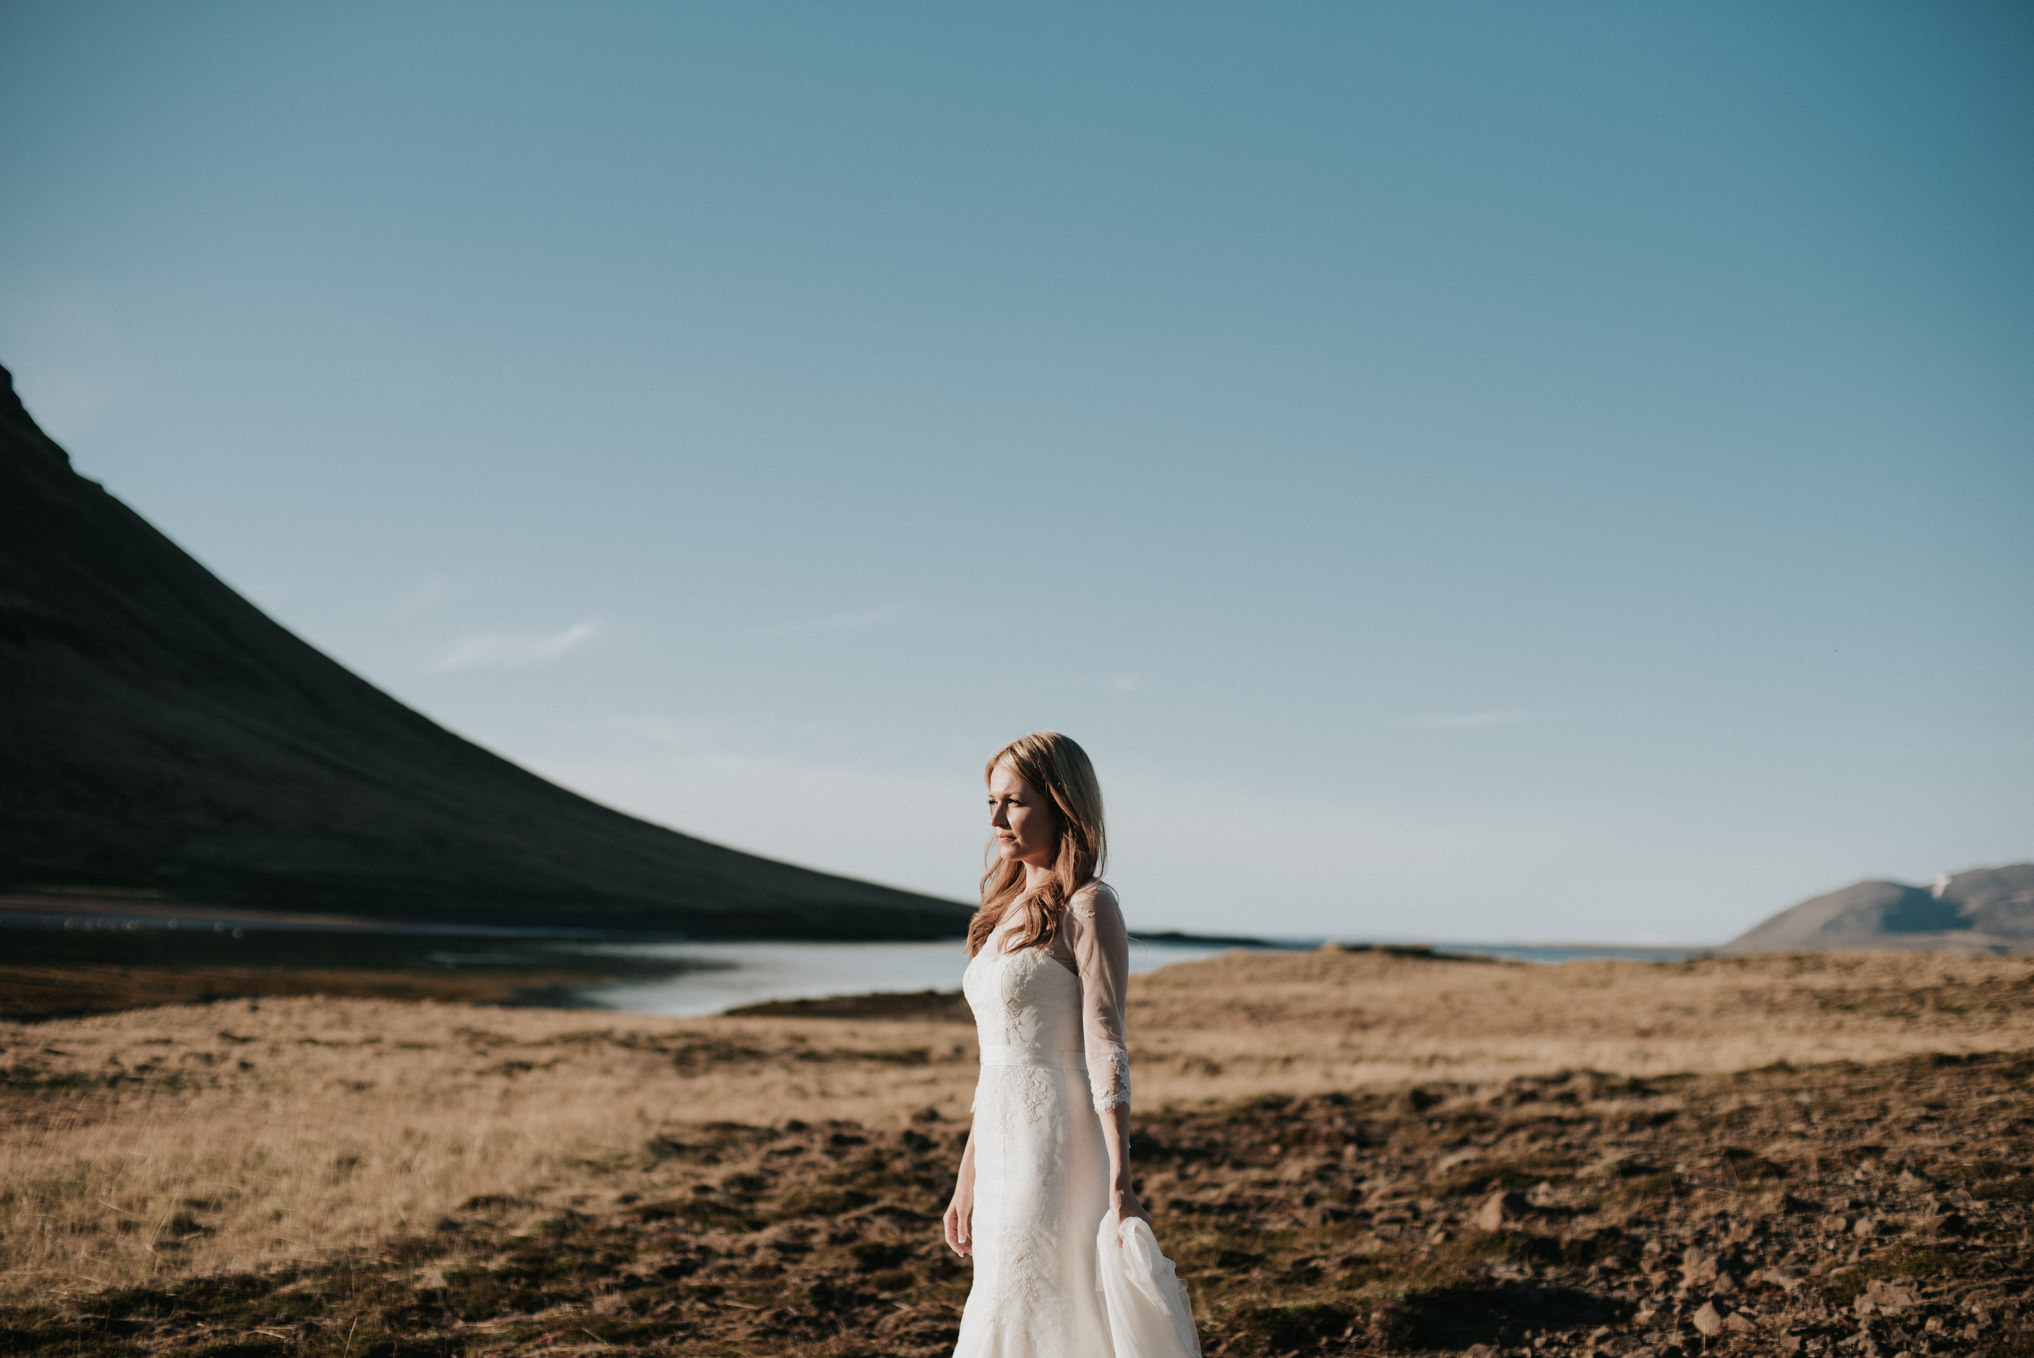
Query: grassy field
(1347,1152)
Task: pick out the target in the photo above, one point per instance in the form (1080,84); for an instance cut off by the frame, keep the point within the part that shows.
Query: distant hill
(1983,910)
(159,732)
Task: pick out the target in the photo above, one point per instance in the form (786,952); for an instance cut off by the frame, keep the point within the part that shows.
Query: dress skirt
(1041,1191)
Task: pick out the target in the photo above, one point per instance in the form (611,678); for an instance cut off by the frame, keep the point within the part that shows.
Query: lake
(717,976)
(678,979)
(710,977)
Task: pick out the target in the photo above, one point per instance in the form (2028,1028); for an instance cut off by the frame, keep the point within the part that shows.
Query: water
(718,976)
(712,977)
(670,978)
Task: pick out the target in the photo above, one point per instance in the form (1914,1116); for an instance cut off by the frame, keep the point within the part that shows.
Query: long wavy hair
(1059,769)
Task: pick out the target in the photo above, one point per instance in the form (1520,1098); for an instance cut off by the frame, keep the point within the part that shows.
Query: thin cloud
(688,736)
(434,591)
(515,650)
(1465,721)
(668,734)
(838,622)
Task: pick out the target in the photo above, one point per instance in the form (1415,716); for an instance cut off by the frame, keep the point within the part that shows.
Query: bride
(1047,1162)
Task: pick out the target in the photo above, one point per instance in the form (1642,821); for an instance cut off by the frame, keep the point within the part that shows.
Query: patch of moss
(1741,1166)
(2015,1343)
(249,1346)
(2020,1188)
(819,1202)
(39,1335)
(1483,1176)
(1920,1262)
(873,1255)
(1648,1189)
(1292,1328)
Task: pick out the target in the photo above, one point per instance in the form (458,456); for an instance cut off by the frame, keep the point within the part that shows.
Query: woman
(1048,1158)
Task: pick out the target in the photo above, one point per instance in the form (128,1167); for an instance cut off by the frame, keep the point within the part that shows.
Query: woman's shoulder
(1097,898)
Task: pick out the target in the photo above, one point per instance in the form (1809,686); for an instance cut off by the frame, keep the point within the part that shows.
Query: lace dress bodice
(1059,1007)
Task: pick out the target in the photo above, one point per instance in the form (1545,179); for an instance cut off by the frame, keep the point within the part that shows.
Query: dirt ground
(1345,1152)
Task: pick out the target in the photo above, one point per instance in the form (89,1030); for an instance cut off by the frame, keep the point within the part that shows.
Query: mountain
(160,733)
(1983,910)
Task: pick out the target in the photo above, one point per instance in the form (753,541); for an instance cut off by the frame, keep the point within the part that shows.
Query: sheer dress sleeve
(1101,949)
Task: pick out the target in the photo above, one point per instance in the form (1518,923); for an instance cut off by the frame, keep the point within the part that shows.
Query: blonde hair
(1057,768)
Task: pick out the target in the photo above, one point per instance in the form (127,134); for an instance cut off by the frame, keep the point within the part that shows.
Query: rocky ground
(1844,1209)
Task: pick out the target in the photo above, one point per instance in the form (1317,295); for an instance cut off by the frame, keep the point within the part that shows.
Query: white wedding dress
(1054,1063)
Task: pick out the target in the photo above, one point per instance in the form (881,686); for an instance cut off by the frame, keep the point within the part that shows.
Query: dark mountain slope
(1983,910)
(158,731)
(1997,901)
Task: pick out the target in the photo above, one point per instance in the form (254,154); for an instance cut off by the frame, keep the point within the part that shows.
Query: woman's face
(1022,820)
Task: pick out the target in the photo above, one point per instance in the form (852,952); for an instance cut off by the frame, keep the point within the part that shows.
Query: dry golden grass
(1248,1023)
(196,1139)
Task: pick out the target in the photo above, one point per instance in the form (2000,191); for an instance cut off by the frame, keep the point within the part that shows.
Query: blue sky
(1466,471)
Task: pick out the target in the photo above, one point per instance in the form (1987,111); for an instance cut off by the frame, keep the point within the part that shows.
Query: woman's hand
(1124,1199)
(959,1220)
